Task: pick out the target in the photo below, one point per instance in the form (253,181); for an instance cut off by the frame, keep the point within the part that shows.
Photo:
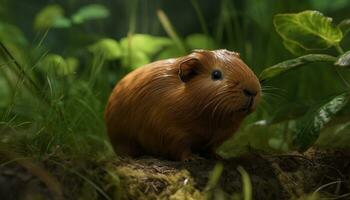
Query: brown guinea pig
(172,108)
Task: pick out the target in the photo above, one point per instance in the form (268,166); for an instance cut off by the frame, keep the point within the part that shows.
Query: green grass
(50,110)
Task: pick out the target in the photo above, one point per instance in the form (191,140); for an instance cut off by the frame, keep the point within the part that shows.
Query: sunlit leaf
(12,34)
(62,22)
(200,41)
(294,48)
(72,66)
(310,29)
(147,44)
(282,67)
(51,16)
(308,128)
(90,12)
(54,63)
(343,60)
(344,26)
(170,52)
(135,59)
(108,48)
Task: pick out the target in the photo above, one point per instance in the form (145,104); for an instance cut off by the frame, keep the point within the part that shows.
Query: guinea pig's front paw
(186,156)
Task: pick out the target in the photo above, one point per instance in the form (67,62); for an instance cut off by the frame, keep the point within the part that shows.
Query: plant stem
(341,51)
(339,48)
(200,17)
(132,28)
(346,83)
(170,30)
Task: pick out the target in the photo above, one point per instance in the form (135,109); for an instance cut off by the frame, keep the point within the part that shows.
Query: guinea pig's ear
(189,68)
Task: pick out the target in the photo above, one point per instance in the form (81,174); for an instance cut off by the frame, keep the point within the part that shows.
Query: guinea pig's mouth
(248,106)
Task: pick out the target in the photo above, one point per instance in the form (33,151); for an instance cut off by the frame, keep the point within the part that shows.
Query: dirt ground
(287,176)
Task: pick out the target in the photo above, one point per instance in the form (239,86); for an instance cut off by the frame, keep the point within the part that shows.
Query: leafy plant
(52,16)
(303,33)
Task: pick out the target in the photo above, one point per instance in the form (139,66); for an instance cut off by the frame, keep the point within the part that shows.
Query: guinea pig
(175,107)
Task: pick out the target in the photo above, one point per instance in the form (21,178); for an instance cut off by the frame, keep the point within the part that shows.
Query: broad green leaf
(335,136)
(294,63)
(288,112)
(72,66)
(170,52)
(278,144)
(54,63)
(200,41)
(147,44)
(62,22)
(344,60)
(344,26)
(51,16)
(11,34)
(135,59)
(294,48)
(108,48)
(89,12)
(308,128)
(310,29)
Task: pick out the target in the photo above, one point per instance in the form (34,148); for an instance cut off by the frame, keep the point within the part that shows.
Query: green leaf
(200,41)
(170,52)
(344,26)
(294,48)
(54,63)
(310,29)
(108,48)
(309,127)
(325,5)
(5,93)
(72,66)
(89,12)
(278,144)
(11,34)
(147,44)
(282,67)
(343,60)
(135,59)
(62,22)
(51,16)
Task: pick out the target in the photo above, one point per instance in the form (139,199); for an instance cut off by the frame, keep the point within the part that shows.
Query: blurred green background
(67,55)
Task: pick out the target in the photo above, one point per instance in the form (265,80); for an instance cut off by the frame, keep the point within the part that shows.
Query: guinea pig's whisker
(222,100)
(213,100)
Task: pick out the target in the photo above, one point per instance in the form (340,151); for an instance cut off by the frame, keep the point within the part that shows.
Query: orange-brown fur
(154,111)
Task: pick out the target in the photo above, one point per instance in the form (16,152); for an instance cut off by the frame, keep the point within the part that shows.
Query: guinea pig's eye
(216,75)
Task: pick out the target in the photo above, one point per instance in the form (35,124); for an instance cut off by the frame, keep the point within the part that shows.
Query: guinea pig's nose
(249,93)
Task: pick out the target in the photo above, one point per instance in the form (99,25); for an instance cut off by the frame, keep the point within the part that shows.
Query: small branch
(339,48)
